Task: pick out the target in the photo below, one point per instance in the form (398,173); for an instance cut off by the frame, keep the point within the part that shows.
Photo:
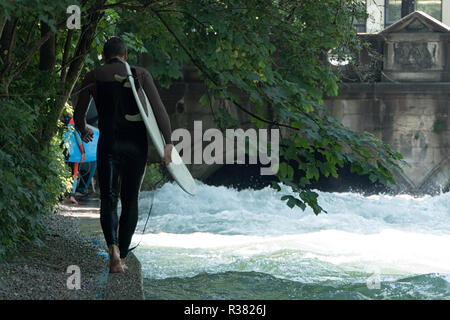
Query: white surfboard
(176,168)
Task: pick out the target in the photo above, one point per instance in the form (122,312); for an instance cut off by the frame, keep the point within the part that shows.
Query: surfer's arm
(79,114)
(159,110)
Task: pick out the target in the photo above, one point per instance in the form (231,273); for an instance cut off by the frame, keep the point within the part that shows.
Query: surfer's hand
(83,157)
(88,135)
(167,154)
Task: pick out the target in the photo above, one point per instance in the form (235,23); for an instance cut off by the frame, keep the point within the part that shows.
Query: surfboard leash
(164,176)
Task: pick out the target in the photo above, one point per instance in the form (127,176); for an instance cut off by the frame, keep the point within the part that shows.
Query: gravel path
(40,273)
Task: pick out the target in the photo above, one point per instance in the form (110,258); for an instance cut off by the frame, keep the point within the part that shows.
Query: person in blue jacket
(88,168)
(79,142)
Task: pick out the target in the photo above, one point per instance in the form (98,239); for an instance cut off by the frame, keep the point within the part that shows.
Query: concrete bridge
(398,89)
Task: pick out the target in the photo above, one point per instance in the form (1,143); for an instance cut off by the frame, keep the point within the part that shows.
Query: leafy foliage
(272,52)
(154,177)
(31,181)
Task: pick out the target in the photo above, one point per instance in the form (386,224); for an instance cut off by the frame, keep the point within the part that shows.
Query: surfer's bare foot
(115,266)
(71,199)
(124,266)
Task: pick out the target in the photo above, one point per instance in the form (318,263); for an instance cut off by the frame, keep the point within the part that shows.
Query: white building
(383,13)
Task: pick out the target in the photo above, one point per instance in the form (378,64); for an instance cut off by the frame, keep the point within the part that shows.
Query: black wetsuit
(122,146)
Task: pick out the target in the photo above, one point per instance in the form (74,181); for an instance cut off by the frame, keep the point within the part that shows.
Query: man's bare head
(114,48)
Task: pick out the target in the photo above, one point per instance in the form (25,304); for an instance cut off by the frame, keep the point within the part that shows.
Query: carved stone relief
(411,56)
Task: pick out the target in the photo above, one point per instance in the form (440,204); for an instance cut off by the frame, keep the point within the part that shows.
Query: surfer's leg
(108,179)
(131,180)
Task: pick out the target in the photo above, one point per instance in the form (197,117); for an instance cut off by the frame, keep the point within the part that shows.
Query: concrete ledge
(128,285)
(350,90)
(119,286)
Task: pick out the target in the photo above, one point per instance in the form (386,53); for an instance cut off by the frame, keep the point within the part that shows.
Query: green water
(260,286)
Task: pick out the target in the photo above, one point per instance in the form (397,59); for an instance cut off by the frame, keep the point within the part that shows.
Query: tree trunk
(65,57)
(47,52)
(84,46)
(81,52)
(407,7)
(7,41)
(7,45)
(2,23)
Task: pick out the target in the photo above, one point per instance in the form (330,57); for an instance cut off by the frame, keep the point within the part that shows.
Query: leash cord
(164,175)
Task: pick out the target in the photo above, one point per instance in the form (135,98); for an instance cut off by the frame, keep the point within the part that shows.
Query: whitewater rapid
(224,230)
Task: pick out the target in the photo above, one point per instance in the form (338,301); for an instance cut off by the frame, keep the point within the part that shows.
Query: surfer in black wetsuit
(122,146)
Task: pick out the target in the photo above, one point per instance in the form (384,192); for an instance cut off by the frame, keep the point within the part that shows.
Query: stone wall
(182,101)
(407,103)
(412,118)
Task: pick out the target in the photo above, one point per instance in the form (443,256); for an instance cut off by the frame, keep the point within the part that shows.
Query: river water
(229,244)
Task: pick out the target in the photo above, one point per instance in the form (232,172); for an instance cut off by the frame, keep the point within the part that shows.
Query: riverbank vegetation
(274,51)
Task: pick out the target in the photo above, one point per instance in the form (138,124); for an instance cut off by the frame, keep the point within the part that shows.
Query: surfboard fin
(126,84)
(123,80)
(134,117)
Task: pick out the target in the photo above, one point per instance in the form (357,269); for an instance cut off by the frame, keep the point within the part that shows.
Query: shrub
(31,180)
(154,177)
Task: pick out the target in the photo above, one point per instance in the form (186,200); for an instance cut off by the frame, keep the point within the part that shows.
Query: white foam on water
(222,229)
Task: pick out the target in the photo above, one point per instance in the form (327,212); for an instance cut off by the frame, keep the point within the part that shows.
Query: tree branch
(47,52)
(83,48)
(186,50)
(67,45)
(2,23)
(200,67)
(8,42)
(27,59)
(21,67)
(30,33)
(183,12)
